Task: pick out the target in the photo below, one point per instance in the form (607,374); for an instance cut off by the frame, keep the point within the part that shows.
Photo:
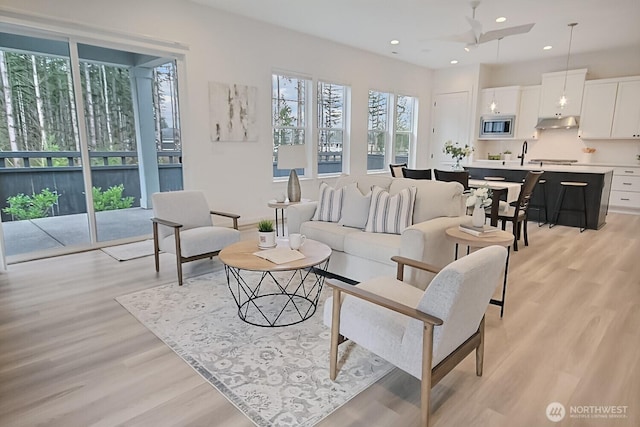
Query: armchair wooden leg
(178,256)
(156,246)
(480,350)
(425,385)
(335,334)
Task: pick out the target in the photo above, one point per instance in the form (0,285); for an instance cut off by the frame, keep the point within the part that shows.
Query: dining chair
(416,173)
(453,176)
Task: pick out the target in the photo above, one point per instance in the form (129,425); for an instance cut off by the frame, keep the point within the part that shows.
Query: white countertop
(580,168)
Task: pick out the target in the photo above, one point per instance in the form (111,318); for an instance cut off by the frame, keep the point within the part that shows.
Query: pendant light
(493,106)
(563,101)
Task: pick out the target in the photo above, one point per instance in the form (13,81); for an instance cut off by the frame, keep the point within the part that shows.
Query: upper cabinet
(626,120)
(507,100)
(553,86)
(598,104)
(528,112)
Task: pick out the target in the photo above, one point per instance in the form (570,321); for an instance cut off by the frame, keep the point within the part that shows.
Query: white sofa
(359,255)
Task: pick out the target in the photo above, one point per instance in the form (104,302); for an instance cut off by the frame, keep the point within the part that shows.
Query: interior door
(450,123)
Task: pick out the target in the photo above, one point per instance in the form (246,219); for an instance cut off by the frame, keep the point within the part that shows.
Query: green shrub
(35,206)
(110,199)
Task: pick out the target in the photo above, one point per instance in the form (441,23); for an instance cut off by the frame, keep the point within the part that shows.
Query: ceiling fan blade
(476,27)
(469,38)
(505,32)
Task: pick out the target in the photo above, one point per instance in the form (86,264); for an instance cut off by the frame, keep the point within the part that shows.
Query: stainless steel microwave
(497,127)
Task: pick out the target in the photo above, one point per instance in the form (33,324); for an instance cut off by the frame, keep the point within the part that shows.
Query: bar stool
(571,184)
(542,207)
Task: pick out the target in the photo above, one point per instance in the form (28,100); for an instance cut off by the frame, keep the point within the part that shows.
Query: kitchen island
(598,179)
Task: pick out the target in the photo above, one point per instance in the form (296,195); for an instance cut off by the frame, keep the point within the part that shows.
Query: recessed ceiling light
(501,19)
(466,49)
(395,41)
(547,47)
(454,61)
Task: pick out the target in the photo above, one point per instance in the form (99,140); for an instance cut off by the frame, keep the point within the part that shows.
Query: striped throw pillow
(329,204)
(390,214)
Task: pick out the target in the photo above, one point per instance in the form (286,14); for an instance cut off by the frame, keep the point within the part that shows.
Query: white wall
(231,49)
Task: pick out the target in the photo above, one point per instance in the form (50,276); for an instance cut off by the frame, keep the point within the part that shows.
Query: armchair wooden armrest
(165,222)
(228,215)
(402,261)
(381,301)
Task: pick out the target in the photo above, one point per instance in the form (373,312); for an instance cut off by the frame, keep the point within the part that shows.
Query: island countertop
(510,165)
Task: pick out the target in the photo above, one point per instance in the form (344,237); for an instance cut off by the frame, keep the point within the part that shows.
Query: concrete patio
(30,236)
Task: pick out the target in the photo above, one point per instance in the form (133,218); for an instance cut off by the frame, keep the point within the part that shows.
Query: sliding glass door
(87,134)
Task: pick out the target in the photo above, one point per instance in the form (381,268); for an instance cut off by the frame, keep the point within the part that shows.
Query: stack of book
(477,231)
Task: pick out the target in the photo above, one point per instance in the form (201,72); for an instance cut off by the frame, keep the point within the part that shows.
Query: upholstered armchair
(424,333)
(182,226)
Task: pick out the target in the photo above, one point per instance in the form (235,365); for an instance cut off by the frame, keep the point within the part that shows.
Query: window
(289,115)
(391,129)
(404,129)
(331,127)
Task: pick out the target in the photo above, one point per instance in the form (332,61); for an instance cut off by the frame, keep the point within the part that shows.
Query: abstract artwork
(232,109)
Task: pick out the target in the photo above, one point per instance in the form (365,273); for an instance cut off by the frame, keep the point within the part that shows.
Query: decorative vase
(293,187)
(478,216)
(458,166)
(266,239)
(506,156)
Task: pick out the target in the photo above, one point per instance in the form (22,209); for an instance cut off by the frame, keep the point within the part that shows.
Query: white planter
(587,158)
(266,239)
(506,156)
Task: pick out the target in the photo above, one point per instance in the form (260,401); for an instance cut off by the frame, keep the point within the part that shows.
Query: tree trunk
(39,106)
(8,103)
(74,116)
(89,101)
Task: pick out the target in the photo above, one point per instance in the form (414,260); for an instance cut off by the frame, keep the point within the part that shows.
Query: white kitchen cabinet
(598,105)
(507,100)
(626,120)
(625,190)
(553,86)
(527,117)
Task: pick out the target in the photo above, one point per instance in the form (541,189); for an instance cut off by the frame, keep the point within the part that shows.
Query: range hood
(566,122)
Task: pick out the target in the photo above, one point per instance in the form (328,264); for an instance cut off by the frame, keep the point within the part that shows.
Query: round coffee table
(500,238)
(273,295)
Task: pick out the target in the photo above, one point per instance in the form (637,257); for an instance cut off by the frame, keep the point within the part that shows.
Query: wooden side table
(500,238)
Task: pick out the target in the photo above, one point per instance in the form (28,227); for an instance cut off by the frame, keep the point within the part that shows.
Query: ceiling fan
(475,36)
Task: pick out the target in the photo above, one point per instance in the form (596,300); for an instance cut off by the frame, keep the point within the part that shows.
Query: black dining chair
(453,176)
(396,169)
(416,173)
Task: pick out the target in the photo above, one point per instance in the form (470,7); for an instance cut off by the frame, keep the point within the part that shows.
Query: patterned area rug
(275,376)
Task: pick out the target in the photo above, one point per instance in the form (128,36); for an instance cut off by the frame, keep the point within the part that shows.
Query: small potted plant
(506,155)
(266,234)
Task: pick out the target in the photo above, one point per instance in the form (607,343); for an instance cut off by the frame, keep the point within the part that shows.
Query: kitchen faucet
(524,151)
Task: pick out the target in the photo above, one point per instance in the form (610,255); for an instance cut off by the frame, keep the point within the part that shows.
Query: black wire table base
(279,298)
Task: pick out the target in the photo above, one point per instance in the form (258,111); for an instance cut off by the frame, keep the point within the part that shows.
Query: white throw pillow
(355,207)
(390,214)
(329,204)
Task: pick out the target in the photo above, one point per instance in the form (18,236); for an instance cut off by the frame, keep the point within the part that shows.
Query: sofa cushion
(433,198)
(378,247)
(365,182)
(329,203)
(390,214)
(329,233)
(355,207)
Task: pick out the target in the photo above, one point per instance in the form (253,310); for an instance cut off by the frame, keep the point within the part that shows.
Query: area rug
(130,250)
(275,376)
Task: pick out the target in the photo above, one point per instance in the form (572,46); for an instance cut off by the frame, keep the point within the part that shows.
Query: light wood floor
(72,356)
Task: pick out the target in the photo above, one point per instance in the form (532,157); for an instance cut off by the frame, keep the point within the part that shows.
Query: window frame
(319,128)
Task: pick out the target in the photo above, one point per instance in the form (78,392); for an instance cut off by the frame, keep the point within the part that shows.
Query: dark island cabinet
(598,188)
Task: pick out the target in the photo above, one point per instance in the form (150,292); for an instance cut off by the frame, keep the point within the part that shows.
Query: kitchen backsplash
(563,144)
